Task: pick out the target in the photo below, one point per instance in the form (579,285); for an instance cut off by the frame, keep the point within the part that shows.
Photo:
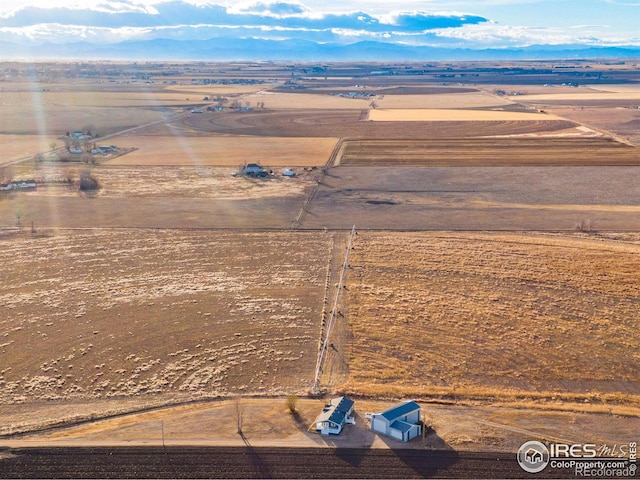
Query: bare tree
(239,409)
(68,142)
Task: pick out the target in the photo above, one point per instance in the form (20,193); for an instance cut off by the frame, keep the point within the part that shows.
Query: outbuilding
(335,415)
(254,170)
(401,421)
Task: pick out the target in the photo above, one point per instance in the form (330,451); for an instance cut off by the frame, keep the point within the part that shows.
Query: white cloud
(625,3)
(494,35)
(272,8)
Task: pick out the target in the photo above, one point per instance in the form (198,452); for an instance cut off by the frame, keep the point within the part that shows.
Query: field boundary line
(332,158)
(334,310)
(334,154)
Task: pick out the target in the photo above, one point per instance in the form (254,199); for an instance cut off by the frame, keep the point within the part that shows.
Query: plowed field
(489,152)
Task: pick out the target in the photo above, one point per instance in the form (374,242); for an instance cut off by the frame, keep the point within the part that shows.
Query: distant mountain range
(177,30)
(296,50)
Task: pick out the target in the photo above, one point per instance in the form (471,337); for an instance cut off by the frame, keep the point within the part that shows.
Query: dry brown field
(176,281)
(624,122)
(53,113)
(569,98)
(609,108)
(348,124)
(477,198)
(547,151)
(472,100)
(497,315)
(286,101)
(454,115)
(200,151)
(18,146)
(124,313)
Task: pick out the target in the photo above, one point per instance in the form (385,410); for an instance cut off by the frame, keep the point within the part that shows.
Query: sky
(505,22)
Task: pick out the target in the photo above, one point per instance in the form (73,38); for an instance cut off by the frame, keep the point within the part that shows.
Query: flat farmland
(64,209)
(623,122)
(624,95)
(119,314)
(279,101)
(177,282)
(313,123)
(16,146)
(181,150)
(154,196)
(55,112)
(454,115)
(494,315)
(525,151)
(405,99)
(477,198)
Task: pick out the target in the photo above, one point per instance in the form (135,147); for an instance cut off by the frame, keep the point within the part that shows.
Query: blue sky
(504,23)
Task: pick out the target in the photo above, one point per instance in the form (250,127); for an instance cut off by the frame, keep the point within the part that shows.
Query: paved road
(254,462)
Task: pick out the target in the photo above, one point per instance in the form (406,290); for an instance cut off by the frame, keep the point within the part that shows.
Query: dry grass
(504,316)
(128,313)
(180,150)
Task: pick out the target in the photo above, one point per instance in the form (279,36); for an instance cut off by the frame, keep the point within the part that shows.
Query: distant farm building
(335,415)
(104,150)
(400,422)
(18,185)
(254,170)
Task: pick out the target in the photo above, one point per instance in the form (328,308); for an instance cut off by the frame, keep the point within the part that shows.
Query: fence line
(332,316)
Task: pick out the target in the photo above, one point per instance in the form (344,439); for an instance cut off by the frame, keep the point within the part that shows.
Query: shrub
(292,402)
(88,182)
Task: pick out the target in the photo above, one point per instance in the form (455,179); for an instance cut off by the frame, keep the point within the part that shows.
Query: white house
(400,422)
(335,415)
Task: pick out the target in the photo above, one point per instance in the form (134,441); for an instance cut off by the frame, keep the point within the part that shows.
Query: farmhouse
(399,422)
(335,415)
